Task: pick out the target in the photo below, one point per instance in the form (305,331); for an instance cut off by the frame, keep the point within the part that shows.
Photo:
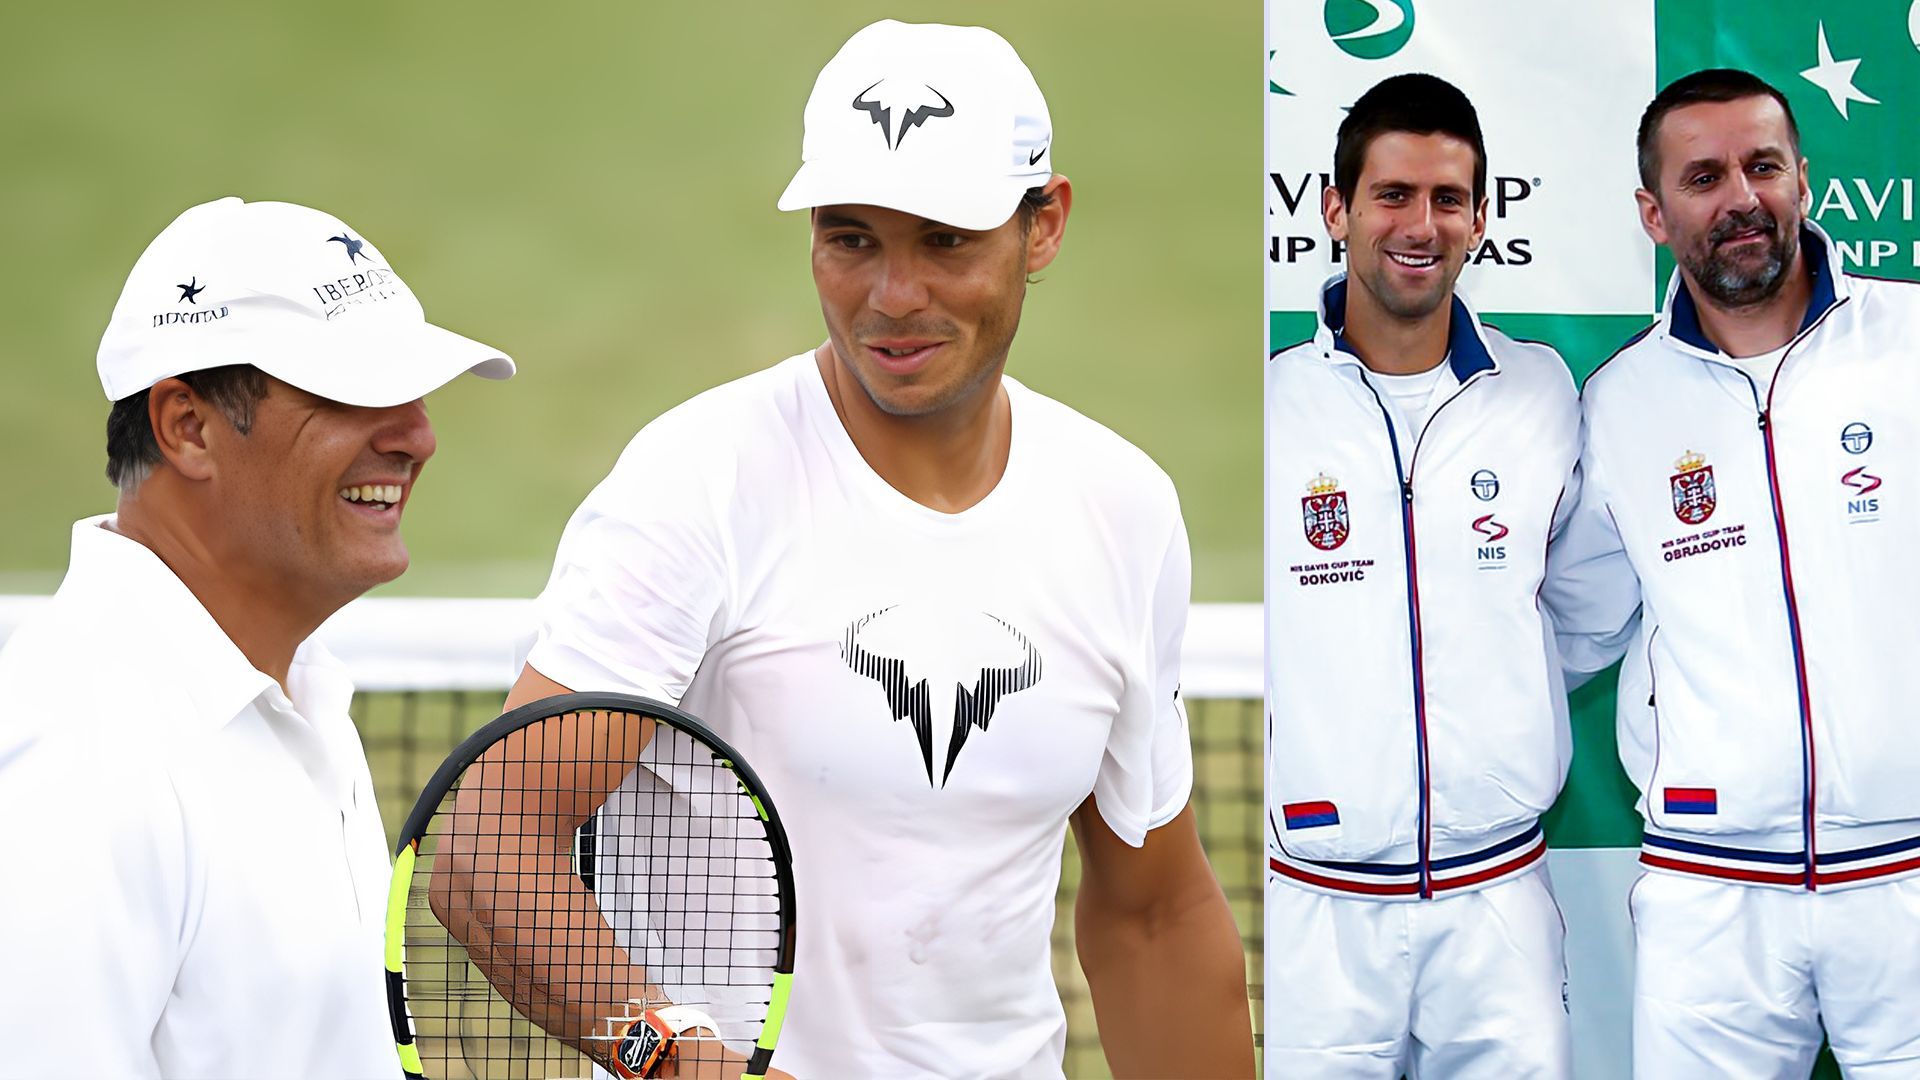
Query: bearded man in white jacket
(1742,537)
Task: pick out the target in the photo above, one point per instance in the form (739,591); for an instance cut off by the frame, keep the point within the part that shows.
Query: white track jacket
(1418,725)
(1769,700)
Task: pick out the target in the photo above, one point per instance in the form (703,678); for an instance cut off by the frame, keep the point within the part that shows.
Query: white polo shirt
(194,863)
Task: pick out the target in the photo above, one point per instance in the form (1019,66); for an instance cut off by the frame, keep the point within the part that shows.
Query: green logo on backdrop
(1370,29)
(1854,81)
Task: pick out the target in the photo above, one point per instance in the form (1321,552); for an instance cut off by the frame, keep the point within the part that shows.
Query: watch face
(640,1048)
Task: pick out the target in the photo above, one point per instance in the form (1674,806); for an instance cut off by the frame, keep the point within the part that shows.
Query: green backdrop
(1864,167)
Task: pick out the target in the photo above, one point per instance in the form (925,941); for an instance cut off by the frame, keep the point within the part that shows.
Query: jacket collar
(1680,318)
(143,610)
(1467,351)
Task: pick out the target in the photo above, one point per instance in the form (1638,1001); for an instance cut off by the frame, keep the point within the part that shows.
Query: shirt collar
(1467,351)
(1682,317)
(143,608)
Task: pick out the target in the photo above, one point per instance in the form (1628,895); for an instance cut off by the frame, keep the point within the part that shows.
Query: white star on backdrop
(1836,77)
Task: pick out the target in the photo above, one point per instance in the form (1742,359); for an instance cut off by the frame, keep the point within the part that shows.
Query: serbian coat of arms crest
(1323,513)
(1693,493)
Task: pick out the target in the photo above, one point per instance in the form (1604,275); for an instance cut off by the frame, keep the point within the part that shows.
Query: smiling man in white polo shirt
(197,862)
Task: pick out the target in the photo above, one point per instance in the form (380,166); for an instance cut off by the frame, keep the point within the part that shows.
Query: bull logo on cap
(882,105)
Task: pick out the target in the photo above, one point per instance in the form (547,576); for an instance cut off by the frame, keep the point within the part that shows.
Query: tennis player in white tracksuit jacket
(1418,724)
(1419,729)
(1769,706)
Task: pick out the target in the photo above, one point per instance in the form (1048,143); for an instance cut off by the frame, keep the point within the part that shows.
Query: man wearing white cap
(940,613)
(197,865)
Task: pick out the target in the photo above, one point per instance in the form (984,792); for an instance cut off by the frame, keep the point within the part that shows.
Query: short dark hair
(1416,103)
(1032,201)
(1710,85)
(132,451)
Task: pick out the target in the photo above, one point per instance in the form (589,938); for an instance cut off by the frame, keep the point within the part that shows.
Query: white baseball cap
(290,290)
(944,122)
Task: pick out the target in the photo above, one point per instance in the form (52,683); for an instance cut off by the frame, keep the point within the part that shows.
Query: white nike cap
(290,290)
(944,122)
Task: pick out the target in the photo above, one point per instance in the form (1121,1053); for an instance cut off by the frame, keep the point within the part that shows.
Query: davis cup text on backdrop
(1502,193)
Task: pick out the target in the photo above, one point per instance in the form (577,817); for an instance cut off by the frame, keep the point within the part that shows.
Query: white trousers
(1738,980)
(1467,987)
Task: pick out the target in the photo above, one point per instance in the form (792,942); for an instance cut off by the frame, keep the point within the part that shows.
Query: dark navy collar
(1466,352)
(1685,320)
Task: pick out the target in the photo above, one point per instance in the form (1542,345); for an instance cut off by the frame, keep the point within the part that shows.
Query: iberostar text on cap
(289,290)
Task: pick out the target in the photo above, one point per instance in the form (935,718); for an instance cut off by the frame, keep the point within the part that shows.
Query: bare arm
(511,895)
(508,891)
(1161,952)
(531,687)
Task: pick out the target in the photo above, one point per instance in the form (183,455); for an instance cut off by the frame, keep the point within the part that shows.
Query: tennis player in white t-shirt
(939,613)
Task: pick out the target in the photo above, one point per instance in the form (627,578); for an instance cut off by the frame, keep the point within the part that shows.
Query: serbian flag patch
(1692,800)
(1310,815)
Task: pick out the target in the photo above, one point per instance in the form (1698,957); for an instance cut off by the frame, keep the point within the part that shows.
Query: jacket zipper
(1405,475)
(1793,632)
(1808,788)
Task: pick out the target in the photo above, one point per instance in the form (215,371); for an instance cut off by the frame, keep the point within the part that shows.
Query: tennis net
(430,671)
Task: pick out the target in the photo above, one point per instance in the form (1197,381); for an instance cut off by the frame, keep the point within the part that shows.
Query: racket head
(686,862)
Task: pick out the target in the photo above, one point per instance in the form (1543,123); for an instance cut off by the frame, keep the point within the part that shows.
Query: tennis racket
(592,884)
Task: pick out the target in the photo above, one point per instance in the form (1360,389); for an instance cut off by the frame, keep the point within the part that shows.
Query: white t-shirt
(743,560)
(1411,398)
(1761,368)
(196,874)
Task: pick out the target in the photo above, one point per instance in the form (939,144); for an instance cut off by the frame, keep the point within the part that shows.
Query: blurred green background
(591,189)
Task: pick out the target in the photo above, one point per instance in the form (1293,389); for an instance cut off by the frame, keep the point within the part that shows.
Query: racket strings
(518,917)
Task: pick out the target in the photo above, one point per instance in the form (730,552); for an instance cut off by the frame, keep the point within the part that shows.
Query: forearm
(535,931)
(537,934)
(505,885)
(1169,986)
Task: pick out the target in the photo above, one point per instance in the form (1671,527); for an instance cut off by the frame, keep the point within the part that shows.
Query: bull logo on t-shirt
(909,696)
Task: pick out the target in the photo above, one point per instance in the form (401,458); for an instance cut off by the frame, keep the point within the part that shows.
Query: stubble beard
(1731,285)
(992,341)
(1403,305)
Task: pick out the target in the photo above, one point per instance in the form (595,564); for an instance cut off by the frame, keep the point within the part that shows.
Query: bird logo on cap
(881,107)
(191,290)
(353,246)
